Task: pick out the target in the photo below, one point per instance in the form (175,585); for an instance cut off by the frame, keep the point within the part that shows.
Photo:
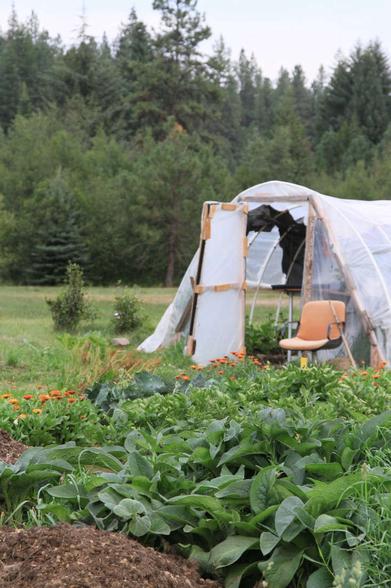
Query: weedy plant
(127,313)
(71,306)
(262,338)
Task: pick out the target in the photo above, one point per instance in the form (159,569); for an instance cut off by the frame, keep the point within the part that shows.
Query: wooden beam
(309,254)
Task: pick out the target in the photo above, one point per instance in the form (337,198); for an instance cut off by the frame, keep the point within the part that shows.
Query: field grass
(32,354)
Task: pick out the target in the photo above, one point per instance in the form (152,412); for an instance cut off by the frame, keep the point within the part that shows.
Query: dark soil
(10,450)
(65,556)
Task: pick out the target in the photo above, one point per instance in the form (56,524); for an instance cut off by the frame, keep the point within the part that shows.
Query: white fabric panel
(219,319)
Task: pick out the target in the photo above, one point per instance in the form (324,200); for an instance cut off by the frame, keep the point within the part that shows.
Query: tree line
(107,150)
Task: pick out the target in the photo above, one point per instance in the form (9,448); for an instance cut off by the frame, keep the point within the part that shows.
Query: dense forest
(108,150)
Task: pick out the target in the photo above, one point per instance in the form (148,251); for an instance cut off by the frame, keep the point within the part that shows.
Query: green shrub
(262,338)
(71,306)
(127,313)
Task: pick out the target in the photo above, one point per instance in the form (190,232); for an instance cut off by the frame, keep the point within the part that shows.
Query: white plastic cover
(220,315)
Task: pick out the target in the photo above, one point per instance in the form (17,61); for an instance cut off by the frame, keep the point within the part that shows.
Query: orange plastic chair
(321,327)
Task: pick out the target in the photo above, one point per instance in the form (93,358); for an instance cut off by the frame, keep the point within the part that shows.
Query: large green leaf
(236,574)
(208,503)
(328,471)
(67,490)
(138,465)
(281,568)
(237,489)
(320,579)
(260,491)
(139,525)
(268,542)
(128,508)
(230,550)
(325,524)
(286,513)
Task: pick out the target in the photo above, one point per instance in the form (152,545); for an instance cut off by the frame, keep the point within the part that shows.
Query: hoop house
(347,256)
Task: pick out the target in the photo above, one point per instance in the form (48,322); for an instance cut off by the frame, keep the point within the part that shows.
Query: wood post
(309,254)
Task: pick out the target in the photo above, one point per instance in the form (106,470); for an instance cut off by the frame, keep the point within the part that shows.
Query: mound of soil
(65,556)
(10,450)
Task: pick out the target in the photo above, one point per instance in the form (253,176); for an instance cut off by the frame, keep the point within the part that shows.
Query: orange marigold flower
(185,377)
(376,376)
(37,410)
(364,373)
(70,392)
(71,400)
(221,372)
(5,396)
(55,393)
(13,401)
(44,397)
(22,416)
(28,396)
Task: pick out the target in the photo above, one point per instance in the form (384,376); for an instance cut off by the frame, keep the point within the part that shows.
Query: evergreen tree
(172,178)
(58,239)
(246,73)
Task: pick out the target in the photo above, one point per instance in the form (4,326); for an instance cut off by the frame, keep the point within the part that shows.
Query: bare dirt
(10,450)
(66,556)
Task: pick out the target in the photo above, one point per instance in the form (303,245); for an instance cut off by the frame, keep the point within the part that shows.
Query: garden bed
(10,450)
(84,557)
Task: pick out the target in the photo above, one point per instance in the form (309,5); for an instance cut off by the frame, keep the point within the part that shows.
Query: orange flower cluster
(183,377)
(68,396)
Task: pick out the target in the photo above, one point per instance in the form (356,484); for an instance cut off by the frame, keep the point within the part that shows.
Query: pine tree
(58,237)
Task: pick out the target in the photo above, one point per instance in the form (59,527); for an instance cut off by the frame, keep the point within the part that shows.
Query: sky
(278,32)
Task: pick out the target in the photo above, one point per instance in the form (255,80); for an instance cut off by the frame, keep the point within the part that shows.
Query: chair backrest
(316,317)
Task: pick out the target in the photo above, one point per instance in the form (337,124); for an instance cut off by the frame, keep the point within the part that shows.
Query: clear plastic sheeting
(328,283)
(167,331)
(362,233)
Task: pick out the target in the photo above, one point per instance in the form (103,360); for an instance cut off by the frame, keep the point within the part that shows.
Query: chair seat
(298,344)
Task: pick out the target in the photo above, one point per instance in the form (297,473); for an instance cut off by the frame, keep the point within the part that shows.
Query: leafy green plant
(71,306)
(107,395)
(273,498)
(127,313)
(55,421)
(262,338)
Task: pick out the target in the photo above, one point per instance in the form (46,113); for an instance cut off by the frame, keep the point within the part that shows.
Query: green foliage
(127,313)
(262,338)
(272,496)
(110,150)
(58,240)
(107,396)
(58,422)
(71,306)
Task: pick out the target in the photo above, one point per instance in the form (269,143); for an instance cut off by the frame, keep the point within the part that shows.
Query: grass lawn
(32,354)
